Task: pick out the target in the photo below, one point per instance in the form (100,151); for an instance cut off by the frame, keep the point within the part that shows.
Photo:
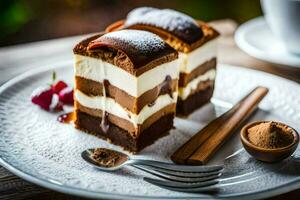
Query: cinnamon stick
(208,140)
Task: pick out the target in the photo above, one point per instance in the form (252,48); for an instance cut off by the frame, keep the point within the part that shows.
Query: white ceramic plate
(34,146)
(255,38)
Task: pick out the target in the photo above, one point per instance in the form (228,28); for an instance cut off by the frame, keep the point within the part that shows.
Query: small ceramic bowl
(265,154)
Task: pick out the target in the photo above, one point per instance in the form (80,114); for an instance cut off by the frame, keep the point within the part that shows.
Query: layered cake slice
(126,87)
(196,43)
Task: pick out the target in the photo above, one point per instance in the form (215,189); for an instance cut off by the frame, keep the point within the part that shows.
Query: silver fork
(183,178)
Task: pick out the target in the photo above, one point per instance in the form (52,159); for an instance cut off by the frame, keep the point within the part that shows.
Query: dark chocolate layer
(185,78)
(195,100)
(132,50)
(120,136)
(133,104)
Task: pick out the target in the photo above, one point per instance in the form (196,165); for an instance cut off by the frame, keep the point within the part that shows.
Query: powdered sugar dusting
(169,19)
(141,41)
(173,21)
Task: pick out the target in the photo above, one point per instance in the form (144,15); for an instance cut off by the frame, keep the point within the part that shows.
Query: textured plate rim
(47,183)
(254,52)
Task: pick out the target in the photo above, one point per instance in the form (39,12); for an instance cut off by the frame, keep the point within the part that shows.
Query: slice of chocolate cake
(196,43)
(126,87)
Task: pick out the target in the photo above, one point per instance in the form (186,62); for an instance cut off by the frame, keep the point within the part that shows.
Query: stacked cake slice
(194,40)
(126,87)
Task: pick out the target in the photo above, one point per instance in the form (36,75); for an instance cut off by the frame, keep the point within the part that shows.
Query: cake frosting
(133,49)
(191,60)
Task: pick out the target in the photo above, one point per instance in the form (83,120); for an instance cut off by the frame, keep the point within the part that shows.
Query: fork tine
(211,186)
(180,173)
(179,179)
(174,167)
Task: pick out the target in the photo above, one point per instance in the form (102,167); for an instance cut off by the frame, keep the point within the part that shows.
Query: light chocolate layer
(124,124)
(135,105)
(185,78)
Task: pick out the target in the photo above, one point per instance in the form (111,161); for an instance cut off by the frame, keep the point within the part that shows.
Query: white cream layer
(184,92)
(98,70)
(190,61)
(111,106)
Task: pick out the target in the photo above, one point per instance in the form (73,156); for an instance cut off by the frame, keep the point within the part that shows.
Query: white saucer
(255,38)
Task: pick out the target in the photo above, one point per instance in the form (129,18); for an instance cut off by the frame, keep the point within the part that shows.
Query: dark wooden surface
(15,60)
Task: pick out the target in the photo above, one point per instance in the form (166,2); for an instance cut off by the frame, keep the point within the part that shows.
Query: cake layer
(133,104)
(122,137)
(152,23)
(123,123)
(99,70)
(185,78)
(169,20)
(112,107)
(134,51)
(200,97)
(184,92)
(191,60)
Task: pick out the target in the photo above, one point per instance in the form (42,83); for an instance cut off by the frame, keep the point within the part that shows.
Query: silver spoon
(178,177)
(162,167)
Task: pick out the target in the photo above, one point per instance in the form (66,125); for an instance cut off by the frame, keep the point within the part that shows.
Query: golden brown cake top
(179,30)
(178,24)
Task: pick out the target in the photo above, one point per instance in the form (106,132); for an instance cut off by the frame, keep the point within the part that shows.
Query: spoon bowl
(123,159)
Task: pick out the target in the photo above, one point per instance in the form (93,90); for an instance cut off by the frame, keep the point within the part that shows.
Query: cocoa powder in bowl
(270,135)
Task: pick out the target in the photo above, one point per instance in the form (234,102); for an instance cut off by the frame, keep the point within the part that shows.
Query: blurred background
(32,20)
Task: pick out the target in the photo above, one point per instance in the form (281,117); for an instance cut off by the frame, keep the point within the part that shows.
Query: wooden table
(17,59)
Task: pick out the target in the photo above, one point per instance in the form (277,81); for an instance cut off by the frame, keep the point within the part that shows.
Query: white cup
(283,17)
